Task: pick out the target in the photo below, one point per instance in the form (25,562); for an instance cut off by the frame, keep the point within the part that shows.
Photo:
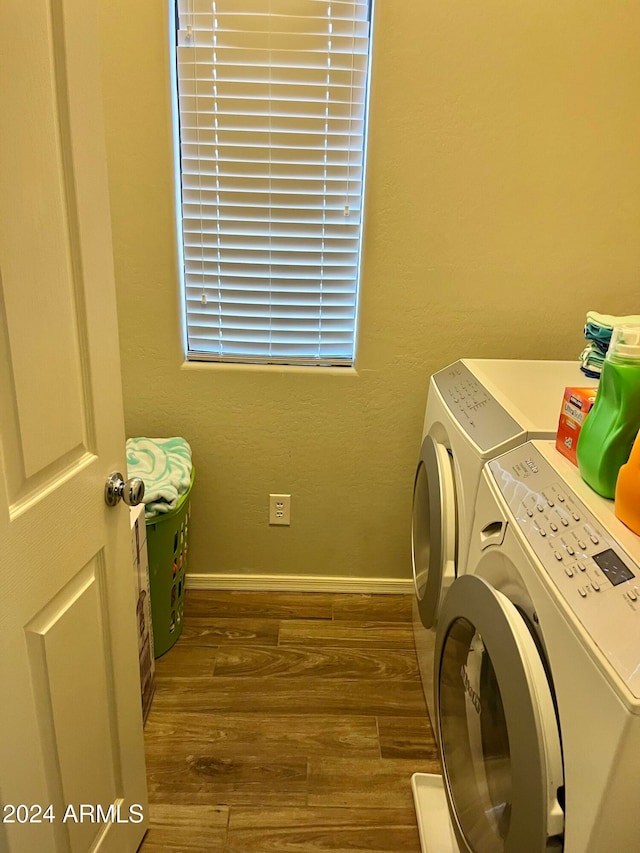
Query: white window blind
(272,98)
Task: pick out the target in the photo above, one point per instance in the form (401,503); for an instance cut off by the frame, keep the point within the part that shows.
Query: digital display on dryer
(613,567)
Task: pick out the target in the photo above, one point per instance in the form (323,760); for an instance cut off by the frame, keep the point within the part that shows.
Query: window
(271,104)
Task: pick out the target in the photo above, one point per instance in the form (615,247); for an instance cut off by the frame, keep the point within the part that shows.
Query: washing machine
(538,672)
(476,410)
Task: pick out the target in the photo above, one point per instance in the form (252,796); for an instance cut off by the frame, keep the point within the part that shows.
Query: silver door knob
(130,491)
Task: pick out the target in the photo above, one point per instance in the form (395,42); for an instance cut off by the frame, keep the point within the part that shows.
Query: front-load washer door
(498,732)
(433,529)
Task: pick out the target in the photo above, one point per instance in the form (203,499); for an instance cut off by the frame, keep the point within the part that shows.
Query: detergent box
(576,404)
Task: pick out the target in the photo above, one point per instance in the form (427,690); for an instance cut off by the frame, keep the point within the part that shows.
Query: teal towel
(165,466)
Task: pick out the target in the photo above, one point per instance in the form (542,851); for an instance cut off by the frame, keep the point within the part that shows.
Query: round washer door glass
(475,738)
(499,738)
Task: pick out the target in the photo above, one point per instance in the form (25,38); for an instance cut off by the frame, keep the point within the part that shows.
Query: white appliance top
(592,559)
(496,400)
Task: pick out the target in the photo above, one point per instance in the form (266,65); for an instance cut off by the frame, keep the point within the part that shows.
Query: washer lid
(498,734)
(433,529)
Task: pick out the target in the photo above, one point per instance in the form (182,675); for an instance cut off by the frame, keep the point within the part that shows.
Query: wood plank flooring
(288,722)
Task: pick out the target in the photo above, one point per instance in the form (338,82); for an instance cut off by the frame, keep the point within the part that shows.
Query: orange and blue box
(576,405)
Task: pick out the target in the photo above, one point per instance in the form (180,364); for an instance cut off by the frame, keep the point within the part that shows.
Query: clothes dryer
(538,670)
(476,410)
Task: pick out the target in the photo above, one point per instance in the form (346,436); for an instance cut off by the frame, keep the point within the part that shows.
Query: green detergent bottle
(611,426)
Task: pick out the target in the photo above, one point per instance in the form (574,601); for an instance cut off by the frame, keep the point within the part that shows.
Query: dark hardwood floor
(288,722)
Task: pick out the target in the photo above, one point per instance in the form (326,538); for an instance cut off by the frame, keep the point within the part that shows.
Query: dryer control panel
(598,579)
(479,414)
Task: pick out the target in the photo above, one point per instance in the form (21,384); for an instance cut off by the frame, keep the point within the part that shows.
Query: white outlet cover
(280,510)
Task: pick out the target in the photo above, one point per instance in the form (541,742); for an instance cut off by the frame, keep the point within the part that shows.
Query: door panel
(70,719)
(65,678)
(40,186)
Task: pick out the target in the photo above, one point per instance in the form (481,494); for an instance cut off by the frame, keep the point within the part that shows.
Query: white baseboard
(299,583)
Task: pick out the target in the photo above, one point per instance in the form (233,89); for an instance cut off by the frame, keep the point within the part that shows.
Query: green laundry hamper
(168,547)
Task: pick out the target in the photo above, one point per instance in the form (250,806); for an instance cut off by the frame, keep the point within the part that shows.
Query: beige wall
(503,202)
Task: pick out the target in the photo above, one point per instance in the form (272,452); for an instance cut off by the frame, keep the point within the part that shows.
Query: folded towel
(592,359)
(165,466)
(608,321)
(597,333)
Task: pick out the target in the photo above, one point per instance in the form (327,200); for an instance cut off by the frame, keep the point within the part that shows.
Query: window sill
(310,370)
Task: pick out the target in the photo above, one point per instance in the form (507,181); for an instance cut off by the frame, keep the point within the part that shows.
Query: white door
(70,716)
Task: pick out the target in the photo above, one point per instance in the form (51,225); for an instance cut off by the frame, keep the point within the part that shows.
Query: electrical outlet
(280,509)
